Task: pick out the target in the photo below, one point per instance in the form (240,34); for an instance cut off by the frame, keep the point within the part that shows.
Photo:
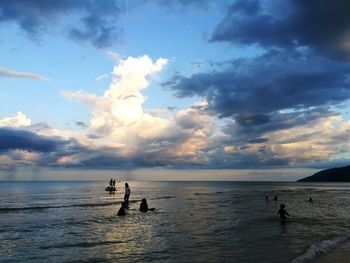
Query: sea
(76,221)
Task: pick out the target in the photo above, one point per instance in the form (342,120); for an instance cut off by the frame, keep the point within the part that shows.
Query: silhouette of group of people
(125,204)
(112,183)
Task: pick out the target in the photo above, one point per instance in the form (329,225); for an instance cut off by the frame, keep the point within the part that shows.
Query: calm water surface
(193,222)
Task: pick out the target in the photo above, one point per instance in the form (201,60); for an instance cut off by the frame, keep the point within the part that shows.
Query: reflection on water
(193,221)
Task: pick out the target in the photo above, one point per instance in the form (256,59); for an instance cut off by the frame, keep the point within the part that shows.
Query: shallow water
(193,222)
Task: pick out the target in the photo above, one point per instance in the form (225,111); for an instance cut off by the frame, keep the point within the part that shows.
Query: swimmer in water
(282,212)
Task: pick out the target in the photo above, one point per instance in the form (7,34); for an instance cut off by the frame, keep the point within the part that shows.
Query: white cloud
(81,96)
(121,104)
(316,141)
(20,120)
(119,116)
(101,77)
(25,155)
(20,74)
(114,56)
(6,162)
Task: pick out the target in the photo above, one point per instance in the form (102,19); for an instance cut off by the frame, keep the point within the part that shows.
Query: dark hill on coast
(341,174)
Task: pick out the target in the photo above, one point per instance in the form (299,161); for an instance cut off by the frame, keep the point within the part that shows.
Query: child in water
(282,212)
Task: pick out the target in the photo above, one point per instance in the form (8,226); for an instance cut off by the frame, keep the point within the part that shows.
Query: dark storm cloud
(55,150)
(99,31)
(96,19)
(266,84)
(249,120)
(321,24)
(11,139)
(264,157)
(258,140)
(91,21)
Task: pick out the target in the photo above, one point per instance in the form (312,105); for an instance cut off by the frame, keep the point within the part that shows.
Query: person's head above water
(144,200)
(282,206)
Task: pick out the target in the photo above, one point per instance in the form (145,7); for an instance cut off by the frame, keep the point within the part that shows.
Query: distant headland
(341,174)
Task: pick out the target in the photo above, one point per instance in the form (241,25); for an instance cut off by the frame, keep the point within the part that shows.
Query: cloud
(101,77)
(319,142)
(114,56)
(265,121)
(81,96)
(121,104)
(266,84)
(81,124)
(20,120)
(93,136)
(175,5)
(20,74)
(87,21)
(318,24)
(96,21)
(147,137)
(101,32)
(12,139)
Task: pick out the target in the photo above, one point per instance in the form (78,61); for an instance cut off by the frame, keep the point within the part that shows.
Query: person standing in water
(127,194)
(282,212)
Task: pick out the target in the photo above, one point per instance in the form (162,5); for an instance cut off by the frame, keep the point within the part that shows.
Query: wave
(322,247)
(163,197)
(82,244)
(14,209)
(17,209)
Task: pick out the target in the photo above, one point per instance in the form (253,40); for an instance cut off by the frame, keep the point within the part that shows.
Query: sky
(173,90)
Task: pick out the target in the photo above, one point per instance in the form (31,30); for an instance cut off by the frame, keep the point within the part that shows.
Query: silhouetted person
(127,194)
(266,198)
(121,211)
(310,199)
(282,212)
(275,198)
(144,205)
(113,183)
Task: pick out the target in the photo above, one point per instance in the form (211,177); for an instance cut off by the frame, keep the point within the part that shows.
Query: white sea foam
(322,247)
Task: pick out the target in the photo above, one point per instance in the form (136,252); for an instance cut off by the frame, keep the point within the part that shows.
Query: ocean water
(193,222)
